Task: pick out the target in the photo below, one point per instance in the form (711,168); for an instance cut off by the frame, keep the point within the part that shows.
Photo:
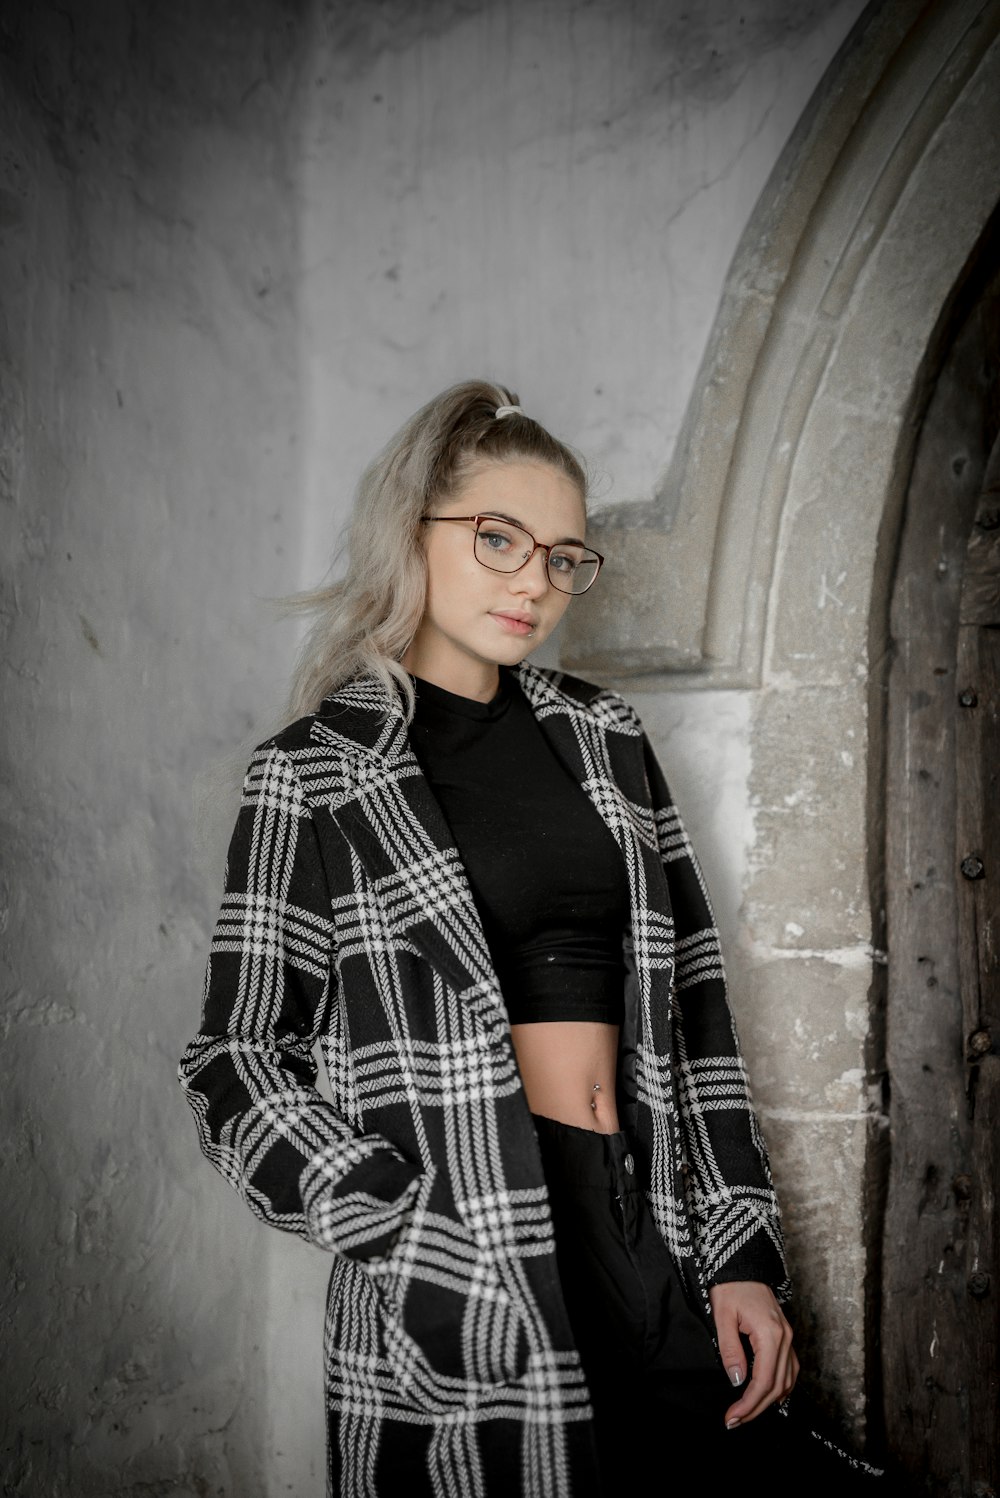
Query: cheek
(558,604)
(452,581)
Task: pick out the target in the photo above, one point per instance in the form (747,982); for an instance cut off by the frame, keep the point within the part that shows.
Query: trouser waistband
(584,1157)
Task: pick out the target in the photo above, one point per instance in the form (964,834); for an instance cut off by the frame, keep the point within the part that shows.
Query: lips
(515,624)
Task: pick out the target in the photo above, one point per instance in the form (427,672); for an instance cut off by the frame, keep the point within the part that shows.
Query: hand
(751,1308)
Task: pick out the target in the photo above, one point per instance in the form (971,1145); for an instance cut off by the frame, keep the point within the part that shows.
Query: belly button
(593,1102)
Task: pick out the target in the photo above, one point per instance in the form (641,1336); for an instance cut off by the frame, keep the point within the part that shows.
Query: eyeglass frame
(535,546)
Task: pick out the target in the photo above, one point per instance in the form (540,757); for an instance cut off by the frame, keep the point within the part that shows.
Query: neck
(480,689)
(478,680)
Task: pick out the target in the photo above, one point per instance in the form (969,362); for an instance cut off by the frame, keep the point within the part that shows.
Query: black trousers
(657,1384)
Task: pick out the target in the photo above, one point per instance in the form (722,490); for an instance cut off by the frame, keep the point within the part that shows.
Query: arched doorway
(940,1321)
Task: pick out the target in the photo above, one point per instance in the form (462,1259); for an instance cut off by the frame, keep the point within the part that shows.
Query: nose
(532,579)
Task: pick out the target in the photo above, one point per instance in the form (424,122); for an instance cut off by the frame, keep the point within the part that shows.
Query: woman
(556,1252)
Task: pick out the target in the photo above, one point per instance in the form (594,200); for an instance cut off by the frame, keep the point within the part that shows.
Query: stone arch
(807,393)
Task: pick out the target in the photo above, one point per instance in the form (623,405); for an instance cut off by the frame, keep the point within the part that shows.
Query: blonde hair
(364,623)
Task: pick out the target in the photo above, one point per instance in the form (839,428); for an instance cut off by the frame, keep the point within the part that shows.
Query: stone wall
(150,478)
(781,511)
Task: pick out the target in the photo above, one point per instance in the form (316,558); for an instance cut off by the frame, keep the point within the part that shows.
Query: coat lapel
(603,753)
(578,736)
(393,821)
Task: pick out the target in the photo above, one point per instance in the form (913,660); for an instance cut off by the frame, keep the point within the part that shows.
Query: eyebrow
(513,520)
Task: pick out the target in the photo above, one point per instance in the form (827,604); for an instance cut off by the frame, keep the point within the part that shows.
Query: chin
(516,656)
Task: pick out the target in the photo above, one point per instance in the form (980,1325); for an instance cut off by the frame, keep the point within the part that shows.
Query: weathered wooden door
(940,1313)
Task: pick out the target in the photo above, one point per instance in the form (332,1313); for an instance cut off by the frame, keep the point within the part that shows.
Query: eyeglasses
(503,547)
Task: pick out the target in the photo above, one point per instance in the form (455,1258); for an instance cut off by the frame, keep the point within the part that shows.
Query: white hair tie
(502,411)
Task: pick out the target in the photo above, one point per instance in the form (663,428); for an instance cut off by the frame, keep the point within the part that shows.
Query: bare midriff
(568,1071)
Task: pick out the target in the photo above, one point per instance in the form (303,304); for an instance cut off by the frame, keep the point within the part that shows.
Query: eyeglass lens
(505,548)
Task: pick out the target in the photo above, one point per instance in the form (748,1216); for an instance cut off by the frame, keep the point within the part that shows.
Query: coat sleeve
(270,993)
(727,1173)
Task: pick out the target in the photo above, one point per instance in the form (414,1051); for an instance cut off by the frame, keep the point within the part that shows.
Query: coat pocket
(448,1308)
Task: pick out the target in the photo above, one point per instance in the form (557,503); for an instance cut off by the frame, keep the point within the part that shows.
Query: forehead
(536,494)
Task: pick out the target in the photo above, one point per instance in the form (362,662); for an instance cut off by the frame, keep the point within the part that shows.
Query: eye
(565,561)
(495,540)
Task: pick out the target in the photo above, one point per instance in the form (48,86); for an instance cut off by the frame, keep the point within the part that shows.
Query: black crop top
(547,876)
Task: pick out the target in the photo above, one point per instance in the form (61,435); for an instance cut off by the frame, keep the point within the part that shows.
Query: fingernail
(732,1424)
(735,1375)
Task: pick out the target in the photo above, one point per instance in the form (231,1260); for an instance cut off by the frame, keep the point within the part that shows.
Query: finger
(755,1398)
(793,1373)
(775,1368)
(734,1359)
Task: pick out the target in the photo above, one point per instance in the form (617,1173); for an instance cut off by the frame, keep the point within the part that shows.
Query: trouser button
(629,1164)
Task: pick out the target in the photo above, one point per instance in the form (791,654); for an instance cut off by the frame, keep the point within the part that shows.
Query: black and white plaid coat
(348,920)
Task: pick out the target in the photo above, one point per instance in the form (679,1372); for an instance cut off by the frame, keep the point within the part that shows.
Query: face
(474,619)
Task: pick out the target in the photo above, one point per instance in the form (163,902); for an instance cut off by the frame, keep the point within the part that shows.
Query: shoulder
(357,714)
(548,688)
(350,728)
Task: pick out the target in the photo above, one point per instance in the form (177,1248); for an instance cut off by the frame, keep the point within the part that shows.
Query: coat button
(629,1164)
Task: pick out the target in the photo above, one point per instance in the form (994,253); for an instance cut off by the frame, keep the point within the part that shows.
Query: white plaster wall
(545,193)
(149,499)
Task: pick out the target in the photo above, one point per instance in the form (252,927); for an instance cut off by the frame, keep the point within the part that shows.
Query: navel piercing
(593,1102)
